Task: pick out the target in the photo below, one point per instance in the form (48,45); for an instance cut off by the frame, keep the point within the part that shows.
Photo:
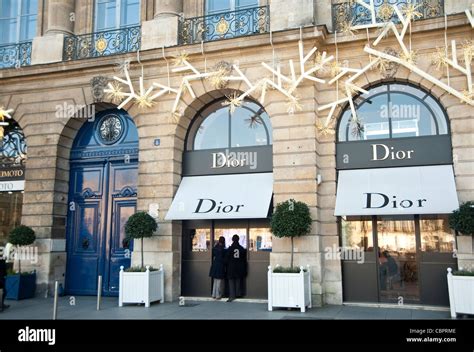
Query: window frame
(118,16)
(20,18)
(209,110)
(233,7)
(426,95)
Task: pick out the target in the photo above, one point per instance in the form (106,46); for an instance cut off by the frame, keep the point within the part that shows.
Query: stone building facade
(302,155)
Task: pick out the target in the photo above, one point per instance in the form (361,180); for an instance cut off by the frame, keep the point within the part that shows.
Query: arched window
(215,127)
(393,110)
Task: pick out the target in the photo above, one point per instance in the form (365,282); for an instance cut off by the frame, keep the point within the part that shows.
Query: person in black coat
(217,271)
(3,274)
(236,259)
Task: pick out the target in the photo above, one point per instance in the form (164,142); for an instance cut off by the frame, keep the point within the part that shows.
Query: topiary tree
(291,219)
(21,236)
(462,220)
(139,226)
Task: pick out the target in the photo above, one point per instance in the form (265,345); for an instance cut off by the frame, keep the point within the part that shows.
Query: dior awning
(397,191)
(244,196)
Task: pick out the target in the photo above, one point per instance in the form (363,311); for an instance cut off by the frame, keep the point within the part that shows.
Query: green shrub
(139,226)
(462,220)
(287,270)
(291,219)
(21,236)
(463,273)
(137,269)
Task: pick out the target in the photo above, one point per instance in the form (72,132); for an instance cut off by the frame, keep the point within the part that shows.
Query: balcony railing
(356,14)
(15,55)
(224,25)
(105,43)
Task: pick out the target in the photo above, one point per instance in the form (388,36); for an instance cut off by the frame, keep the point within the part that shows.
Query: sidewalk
(85,308)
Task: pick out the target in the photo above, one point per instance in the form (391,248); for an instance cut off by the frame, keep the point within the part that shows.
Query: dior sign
(230,161)
(234,159)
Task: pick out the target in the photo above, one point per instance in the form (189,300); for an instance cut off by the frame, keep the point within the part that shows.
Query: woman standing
(217,272)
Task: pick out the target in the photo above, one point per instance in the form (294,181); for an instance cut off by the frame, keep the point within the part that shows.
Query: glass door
(398,268)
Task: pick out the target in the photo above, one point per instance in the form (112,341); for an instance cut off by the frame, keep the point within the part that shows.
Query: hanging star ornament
(233,102)
(293,105)
(439,59)
(409,57)
(324,129)
(115,93)
(180,59)
(5,113)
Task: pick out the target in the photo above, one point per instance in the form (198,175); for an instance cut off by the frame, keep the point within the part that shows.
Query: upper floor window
(216,6)
(114,14)
(393,111)
(17,20)
(216,128)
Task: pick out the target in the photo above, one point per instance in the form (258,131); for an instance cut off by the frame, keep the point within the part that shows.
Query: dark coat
(217,270)
(3,272)
(236,259)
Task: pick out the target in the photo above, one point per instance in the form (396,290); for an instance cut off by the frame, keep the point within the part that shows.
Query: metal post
(99,291)
(55,307)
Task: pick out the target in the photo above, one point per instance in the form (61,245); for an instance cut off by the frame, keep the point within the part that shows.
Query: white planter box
(289,290)
(144,287)
(461,294)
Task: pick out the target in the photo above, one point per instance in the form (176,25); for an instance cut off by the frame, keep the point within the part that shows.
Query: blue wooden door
(102,195)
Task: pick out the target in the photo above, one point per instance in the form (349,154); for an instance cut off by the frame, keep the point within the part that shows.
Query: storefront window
(200,240)
(229,233)
(393,111)
(357,234)
(260,239)
(10,212)
(436,236)
(217,128)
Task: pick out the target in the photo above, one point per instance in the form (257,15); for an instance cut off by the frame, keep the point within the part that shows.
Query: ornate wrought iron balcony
(15,55)
(105,43)
(350,12)
(224,25)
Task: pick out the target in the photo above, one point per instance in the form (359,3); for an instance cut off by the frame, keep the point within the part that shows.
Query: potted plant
(290,287)
(141,284)
(21,285)
(461,291)
(462,221)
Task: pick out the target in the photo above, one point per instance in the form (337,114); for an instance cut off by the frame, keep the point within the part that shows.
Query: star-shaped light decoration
(468,95)
(409,57)
(324,130)
(293,105)
(115,93)
(320,62)
(180,59)
(217,79)
(347,27)
(233,102)
(175,116)
(439,59)
(335,68)
(468,50)
(4,114)
(411,12)
(382,66)
(144,101)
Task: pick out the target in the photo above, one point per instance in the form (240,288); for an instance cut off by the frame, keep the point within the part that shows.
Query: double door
(102,197)
(400,259)
(199,237)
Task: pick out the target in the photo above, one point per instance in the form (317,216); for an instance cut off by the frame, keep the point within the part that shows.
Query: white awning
(245,196)
(397,191)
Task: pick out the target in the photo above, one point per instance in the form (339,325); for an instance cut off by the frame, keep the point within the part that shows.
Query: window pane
(228,233)
(436,236)
(8,9)
(214,131)
(200,240)
(105,17)
(260,239)
(28,27)
(246,3)
(8,30)
(410,118)
(10,212)
(357,234)
(376,125)
(130,13)
(29,7)
(213,6)
(249,128)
